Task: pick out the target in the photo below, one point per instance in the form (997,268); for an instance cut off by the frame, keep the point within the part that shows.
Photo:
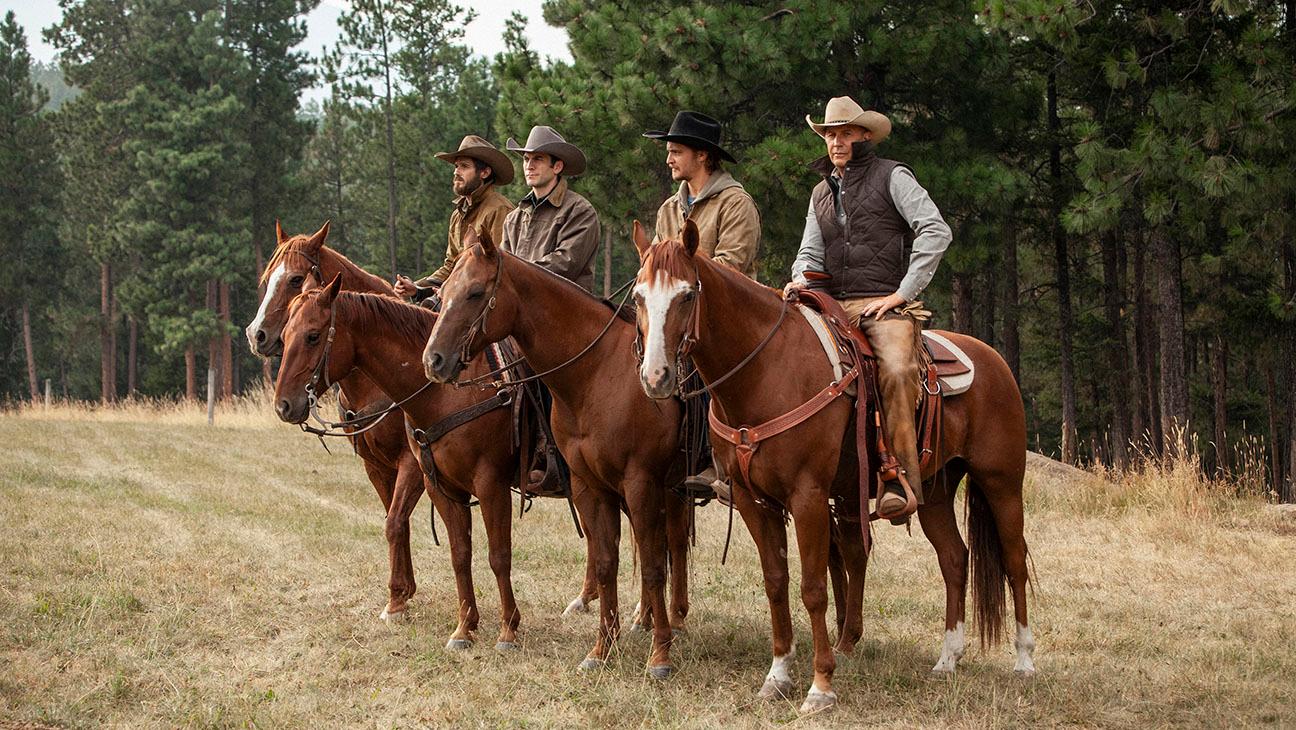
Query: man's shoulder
(577,202)
(495,200)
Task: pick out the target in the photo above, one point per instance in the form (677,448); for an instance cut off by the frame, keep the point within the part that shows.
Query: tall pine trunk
(226,343)
(1145,354)
(1117,356)
(1174,377)
(607,263)
(962,295)
(1063,271)
(1288,345)
(191,374)
(31,353)
(1219,402)
(132,356)
(1008,305)
(107,356)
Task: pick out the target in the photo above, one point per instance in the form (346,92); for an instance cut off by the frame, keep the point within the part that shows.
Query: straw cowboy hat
(546,140)
(695,130)
(482,151)
(843,110)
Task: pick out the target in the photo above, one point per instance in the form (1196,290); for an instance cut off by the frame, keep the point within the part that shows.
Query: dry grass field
(155,571)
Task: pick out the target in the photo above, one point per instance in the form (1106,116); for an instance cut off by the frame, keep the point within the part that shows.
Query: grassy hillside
(157,571)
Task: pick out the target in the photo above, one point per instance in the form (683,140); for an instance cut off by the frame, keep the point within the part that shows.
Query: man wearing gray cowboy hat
(878,237)
(478,168)
(726,216)
(552,226)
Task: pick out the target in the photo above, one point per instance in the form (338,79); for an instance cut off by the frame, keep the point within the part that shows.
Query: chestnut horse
(623,449)
(331,333)
(725,317)
(388,462)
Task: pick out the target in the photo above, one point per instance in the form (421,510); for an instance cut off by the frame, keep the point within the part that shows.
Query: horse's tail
(989,575)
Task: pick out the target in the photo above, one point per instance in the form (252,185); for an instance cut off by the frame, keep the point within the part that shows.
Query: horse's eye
(296,282)
(477,293)
(312,338)
(690,295)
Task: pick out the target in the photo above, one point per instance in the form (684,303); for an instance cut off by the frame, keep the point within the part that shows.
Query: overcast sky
(484,35)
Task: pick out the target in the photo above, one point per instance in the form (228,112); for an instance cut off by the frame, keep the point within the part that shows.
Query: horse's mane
(670,257)
(627,312)
(365,310)
(293,244)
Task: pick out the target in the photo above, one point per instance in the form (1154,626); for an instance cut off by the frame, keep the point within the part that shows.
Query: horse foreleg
(644,499)
(677,544)
(497,515)
(409,487)
(589,589)
(601,516)
(458,522)
(770,535)
(941,528)
(810,512)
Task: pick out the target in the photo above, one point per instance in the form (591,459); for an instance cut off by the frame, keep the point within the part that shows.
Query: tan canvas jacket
(560,233)
(483,209)
(726,217)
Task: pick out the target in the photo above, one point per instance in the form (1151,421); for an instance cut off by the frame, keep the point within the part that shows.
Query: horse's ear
(690,237)
(279,234)
(641,241)
(473,237)
(331,291)
(317,241)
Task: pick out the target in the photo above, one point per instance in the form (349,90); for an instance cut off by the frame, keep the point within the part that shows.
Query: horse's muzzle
(441,368)
(292,411)
(659,386)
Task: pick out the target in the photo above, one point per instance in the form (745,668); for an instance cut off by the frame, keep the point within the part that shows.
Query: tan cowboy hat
(546,140)
(482,151)
(842,110)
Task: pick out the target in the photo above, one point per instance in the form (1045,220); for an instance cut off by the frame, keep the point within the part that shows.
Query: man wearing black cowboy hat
(478,168)
(552,226)
(726,216)
(728,223)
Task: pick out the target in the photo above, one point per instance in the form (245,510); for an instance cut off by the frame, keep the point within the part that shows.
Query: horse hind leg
(999,557)
(941,528)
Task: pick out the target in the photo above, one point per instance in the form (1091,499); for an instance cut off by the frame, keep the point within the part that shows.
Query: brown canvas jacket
(484,210)
(560,233)
(728,223)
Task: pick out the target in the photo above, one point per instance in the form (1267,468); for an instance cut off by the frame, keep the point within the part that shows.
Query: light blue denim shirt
(931,236)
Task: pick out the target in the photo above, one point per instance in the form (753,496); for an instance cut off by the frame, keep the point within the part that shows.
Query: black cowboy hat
(695,130)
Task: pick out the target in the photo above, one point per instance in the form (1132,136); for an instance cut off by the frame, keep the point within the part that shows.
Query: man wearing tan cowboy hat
(877,235)
(552,226)
(726,216)
(729,226)
(478,168)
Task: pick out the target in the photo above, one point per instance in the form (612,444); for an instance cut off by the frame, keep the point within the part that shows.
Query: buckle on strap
(744,436)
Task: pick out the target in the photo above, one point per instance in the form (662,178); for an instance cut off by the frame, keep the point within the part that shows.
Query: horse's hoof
(639,629)
(459,644)
(677,633)
(1028,673)
(392,617)
(576,606)
(507,646)
(591,665)
(774,689)
(942,672)
(817,701)
(663,671)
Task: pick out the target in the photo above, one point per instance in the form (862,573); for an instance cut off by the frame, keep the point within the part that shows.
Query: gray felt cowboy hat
(485,152)
(842,110)
(546,140)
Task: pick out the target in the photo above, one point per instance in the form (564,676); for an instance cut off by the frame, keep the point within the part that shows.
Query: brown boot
(893,503)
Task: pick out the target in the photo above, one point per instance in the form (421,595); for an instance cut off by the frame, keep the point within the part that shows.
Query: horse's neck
(555,322)
(354,278)
(386,357)
(737,314)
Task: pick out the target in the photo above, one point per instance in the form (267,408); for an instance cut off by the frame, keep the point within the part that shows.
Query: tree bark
(226,344)
(1174,379)
(1145,354)
(1063,271)
(1275,433)
(1219,402)
(1117,349)
(132,356)
(107,376)
(985,313)
(607,263)
(1288,346)
(31,353)
(191,369)
(962,296)
(1008,287)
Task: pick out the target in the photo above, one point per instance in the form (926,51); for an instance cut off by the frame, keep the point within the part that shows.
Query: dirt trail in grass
(155,571)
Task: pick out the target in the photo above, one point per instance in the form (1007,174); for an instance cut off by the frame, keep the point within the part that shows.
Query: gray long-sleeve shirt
(931,236)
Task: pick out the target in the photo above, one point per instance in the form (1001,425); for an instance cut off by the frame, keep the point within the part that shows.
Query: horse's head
(316,353)
(667,293)
(295,258)
(474,309)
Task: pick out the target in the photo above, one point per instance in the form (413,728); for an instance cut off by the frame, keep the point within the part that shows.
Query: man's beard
(466,187)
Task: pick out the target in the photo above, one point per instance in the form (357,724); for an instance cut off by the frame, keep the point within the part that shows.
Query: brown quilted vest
(867,243)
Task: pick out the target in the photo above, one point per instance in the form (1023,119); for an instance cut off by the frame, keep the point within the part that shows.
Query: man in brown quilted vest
(877,235)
